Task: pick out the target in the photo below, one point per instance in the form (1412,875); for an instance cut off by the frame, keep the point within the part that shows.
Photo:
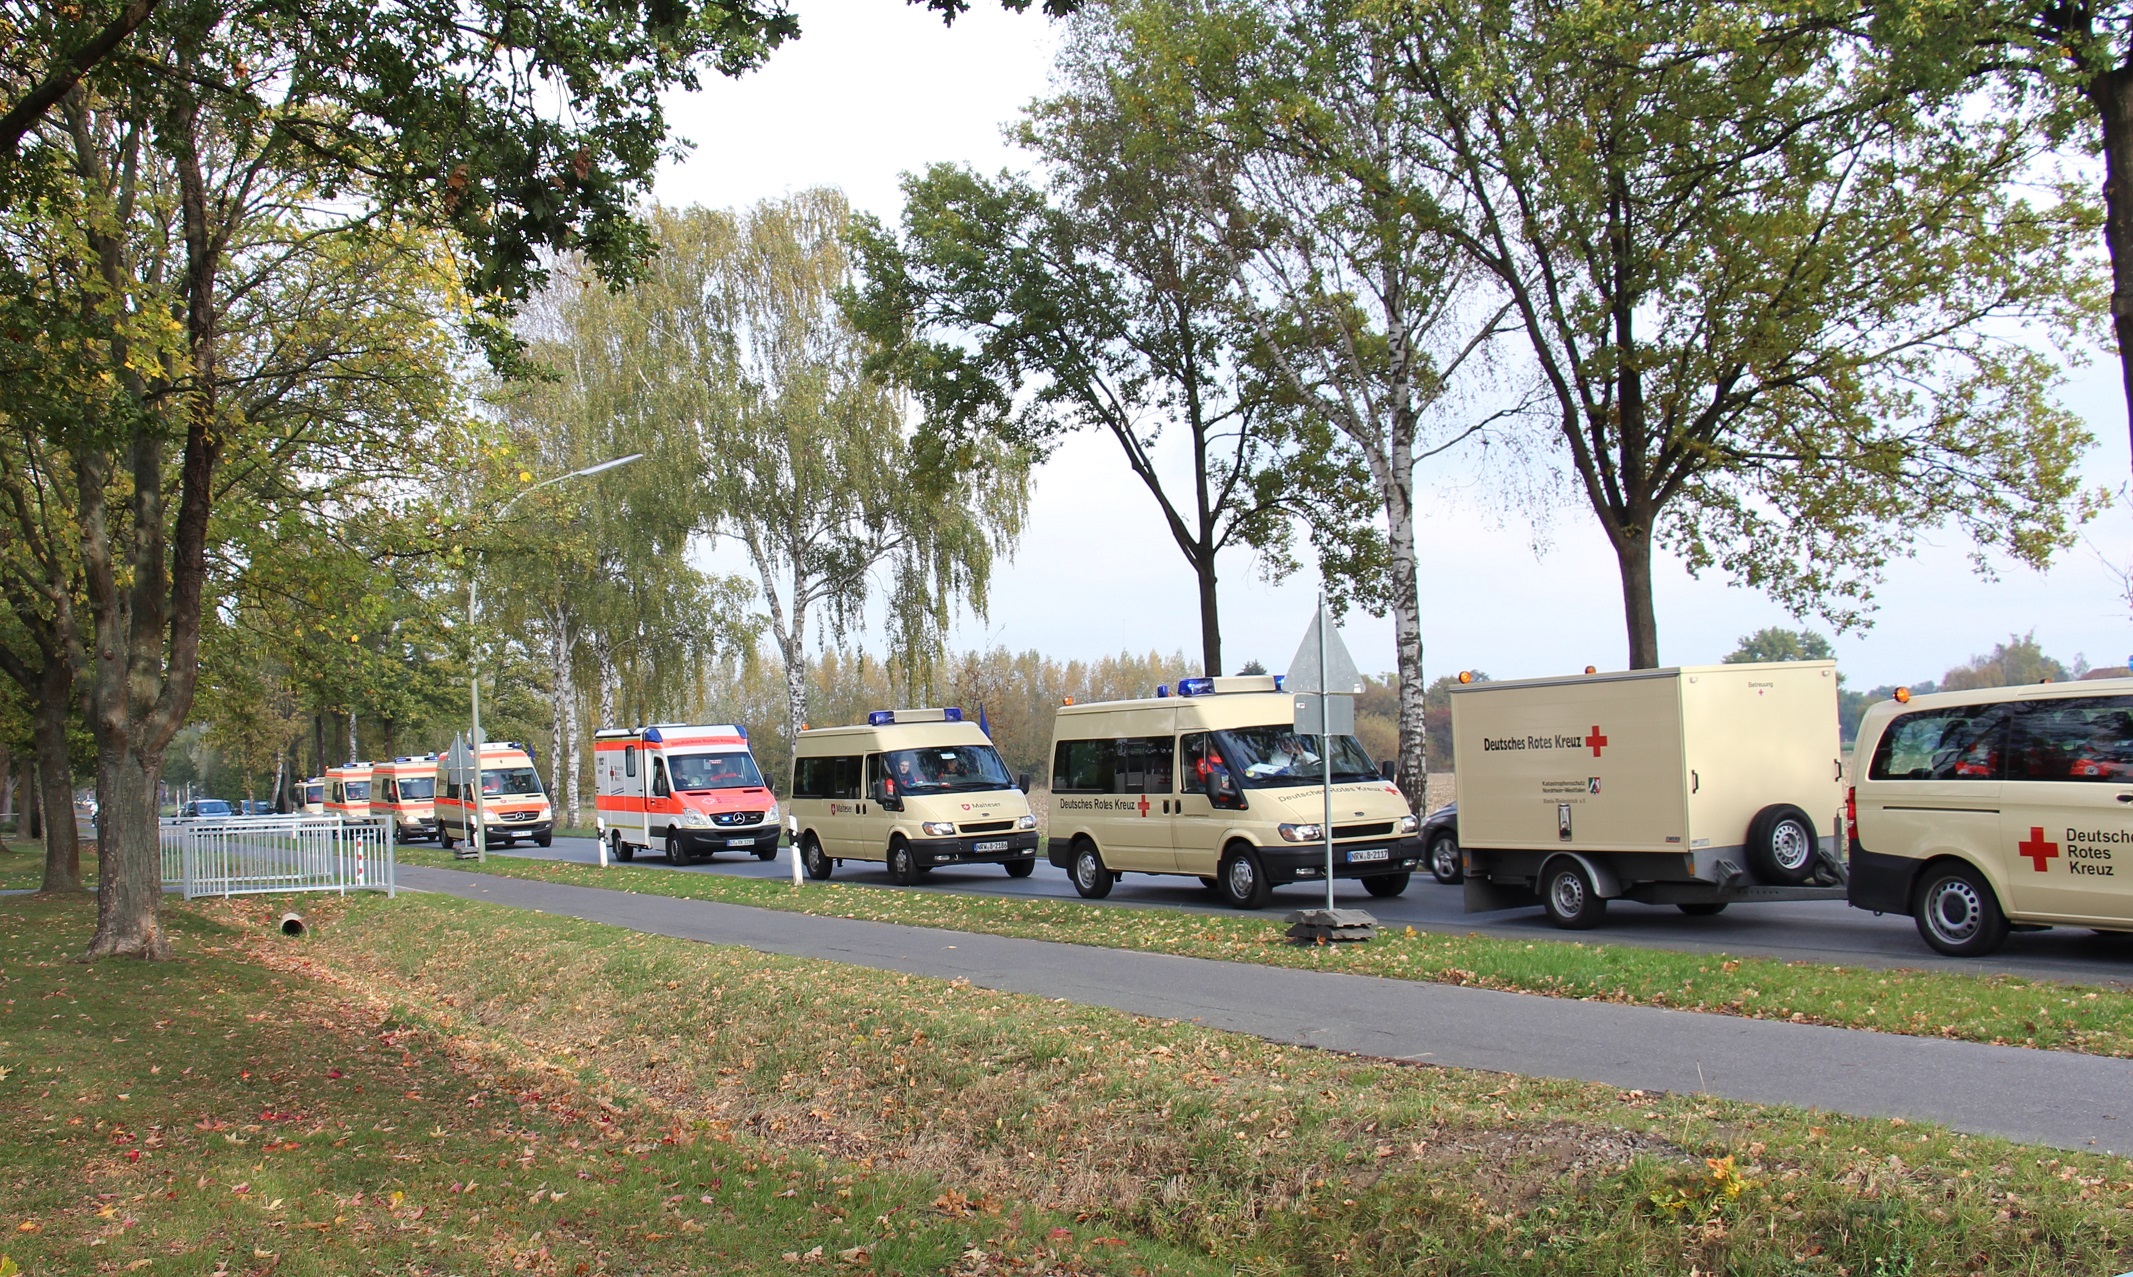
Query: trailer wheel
(1091,879)
(1703,908)
(812,860)
(1385,885)
(1957,912)
(1781,845)
(1444,863)
(1573,902)
(1244,883)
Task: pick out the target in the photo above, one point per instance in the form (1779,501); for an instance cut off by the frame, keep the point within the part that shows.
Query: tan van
(1214,783)
(1696,786)
(2004,807)
(913,788)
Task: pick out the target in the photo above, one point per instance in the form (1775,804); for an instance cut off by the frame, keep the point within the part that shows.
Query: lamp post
(480,830)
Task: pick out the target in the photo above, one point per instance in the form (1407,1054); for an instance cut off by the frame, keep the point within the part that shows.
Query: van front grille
(737,818)
(1362,831)
(987,826)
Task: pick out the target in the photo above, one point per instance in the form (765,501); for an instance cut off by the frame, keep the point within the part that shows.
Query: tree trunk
(354,751)
(2111,93)
(281,768)
(55,776)
(1210,616)
(573,797)
(33,804)
(1633,551)
(1413,762)
(7,783)
(318,744)
(129,857)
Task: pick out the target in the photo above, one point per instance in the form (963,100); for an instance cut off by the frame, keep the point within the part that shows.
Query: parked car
(1440,838)
(255,807)
(204,809)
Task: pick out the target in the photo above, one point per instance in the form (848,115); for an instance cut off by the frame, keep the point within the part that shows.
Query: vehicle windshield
(211,807)
(714,771)
(944,769)
(1278,757)
(509,781)
(314,793)
(417,789)
(358,790)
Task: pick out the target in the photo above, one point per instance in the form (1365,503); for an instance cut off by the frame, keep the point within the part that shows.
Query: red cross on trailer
(2036,850)
(1144,804)
(1597,741)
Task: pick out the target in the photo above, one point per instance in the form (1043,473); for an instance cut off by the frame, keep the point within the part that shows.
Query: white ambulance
(688,790)
(405,789)
(1216,784)
(913,788)
(1695,787)
(313,802)
(513,804)
(348,791)
(2000,809)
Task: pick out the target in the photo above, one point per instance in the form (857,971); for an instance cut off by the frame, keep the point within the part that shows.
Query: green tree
(2019,660)
(1773,643)
(1766,276)
(1096,300)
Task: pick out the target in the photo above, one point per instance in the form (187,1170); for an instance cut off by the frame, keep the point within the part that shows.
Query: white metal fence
(243,855)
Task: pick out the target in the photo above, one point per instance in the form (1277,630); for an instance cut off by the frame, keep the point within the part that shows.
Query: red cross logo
(1597,741)
(1144,804)
(2036,849)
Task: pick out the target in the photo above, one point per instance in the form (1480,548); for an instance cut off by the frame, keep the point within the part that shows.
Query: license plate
(998,845)
(1367,853)
(740,842)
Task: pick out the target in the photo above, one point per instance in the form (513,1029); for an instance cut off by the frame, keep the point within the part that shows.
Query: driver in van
(2101,757)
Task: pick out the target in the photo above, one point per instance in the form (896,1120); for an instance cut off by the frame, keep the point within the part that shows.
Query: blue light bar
(881,718)
(952,714)
(1196,687)
(742,729)
(652,736)
(1279,679)
(1162,690)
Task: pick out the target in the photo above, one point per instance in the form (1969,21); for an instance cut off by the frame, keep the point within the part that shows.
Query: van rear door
(2067,809)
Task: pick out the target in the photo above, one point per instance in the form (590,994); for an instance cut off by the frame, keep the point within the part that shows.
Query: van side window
(1205,771)
(629,760)
(1966,742)
(1144,764)
(659,777)
(392,791)
(876,776)
(810,778)
(2083,738)
(1085,767)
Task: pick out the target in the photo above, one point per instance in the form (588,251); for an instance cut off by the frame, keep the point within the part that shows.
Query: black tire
(446,841)
(817,865)
(903,864)
(1956,911)
(1572,901)
(1243,879)
(1091,879)
(1445,864)
(616,849)
(675,855)
(766,853)
(1385,886)
(1703,908)
(1781,846)
(626,851)
(544,840)
(1020,868)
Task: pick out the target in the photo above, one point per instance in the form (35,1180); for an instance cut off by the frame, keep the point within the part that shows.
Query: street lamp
(480,831)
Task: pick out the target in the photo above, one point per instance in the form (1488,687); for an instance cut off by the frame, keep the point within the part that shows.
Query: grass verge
(1262,1158)
(2008,1010)
(219,1115)
(22,866)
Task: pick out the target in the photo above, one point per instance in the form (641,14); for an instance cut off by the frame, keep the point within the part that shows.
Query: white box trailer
(1695,786)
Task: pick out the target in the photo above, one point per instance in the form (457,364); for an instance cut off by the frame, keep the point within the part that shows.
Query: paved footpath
(2043,1097)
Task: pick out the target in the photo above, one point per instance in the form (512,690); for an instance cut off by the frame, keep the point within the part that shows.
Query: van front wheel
(1385,886)
(812,860)
(1244,883)
(1958,914)
(903,865)
(1091,879)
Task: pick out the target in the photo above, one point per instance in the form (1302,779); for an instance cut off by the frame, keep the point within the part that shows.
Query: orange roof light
(1066,700)
(1592,669)
(1903,696)
(1466,676)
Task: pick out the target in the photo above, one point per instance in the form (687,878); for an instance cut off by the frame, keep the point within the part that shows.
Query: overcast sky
(874,89)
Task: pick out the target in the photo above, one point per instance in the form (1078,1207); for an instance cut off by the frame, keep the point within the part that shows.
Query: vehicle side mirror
(1389,770)
(1022,782)
(889,801)
(1222,791)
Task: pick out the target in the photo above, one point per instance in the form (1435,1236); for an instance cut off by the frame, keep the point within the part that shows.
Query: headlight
(1303,833)
(1026,822)
(771,816)
(1408,824)
(694,819)
(939,828)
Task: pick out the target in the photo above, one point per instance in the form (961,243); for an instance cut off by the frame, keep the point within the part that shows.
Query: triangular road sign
(1340,678)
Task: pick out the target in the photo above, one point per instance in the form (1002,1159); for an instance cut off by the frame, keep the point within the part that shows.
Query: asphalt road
(2046,1097)
(1820,931)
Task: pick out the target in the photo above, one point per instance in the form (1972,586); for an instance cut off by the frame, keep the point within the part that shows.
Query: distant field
(2008,1010)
